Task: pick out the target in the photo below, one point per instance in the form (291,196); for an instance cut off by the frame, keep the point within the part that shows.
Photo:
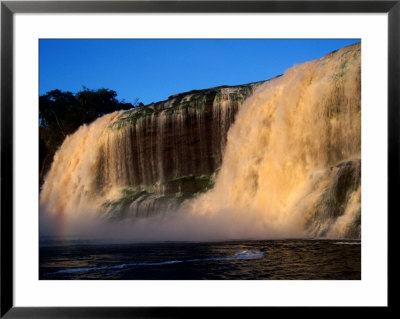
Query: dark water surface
(264,259)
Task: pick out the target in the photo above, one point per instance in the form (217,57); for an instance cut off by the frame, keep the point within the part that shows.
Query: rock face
(340,199)
(147,159)
(167,152)
(165,141)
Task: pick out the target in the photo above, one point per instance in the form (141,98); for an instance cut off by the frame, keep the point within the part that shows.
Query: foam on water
(242,255)
(347,243)
(248,254)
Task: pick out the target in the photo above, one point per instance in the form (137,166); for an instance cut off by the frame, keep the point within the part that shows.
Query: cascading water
(281,161)
(289,165)
(142,161)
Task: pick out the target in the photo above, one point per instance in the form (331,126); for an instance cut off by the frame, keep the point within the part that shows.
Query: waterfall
(142,161)
(285,148)
(275,158)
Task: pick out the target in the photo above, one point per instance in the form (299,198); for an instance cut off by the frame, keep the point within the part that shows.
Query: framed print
(183,158)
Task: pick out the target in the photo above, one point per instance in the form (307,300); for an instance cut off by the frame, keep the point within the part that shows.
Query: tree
(61,113)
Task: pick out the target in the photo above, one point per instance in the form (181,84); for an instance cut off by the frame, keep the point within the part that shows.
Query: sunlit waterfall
(281,161)
(280,158)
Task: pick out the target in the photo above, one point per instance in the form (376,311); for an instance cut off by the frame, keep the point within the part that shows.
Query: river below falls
(301,259)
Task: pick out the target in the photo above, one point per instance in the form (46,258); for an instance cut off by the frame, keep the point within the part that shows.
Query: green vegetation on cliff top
(183,103)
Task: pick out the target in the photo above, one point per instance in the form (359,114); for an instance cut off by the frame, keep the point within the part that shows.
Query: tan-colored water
(280,158)
(291,128)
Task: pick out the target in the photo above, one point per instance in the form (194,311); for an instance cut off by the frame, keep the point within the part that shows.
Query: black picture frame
(9,8)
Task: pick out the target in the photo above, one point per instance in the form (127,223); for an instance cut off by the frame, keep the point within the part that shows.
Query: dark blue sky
(152,70)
